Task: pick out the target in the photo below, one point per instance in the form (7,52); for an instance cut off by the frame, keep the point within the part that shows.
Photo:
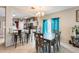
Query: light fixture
(13,15)
(39,11)
(40,14)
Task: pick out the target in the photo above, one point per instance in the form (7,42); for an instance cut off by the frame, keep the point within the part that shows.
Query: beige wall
(67,21)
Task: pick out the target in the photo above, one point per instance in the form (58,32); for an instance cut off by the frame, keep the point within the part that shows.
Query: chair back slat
(39,38)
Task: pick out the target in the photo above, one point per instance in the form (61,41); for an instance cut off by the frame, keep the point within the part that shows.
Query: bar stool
(20,36)
(15,34)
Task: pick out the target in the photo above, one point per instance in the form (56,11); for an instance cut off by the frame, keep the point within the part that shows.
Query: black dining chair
(54,42)
(39,42)
(57,40)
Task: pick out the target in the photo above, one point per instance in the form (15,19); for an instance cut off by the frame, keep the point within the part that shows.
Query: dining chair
(54,42)
(39,42)
(57,40)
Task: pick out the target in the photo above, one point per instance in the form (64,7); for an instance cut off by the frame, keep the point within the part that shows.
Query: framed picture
(77,15)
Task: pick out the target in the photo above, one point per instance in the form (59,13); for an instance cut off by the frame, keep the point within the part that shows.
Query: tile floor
(28,48)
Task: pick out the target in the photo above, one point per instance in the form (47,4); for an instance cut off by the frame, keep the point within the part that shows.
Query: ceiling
(22,11)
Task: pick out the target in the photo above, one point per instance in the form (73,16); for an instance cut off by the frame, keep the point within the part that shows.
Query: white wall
(10,11)
(67,21)
(8,25)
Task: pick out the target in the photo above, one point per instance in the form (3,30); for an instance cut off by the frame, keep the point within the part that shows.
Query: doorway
(2,25)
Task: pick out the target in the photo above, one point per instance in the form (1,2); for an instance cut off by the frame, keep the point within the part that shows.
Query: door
(2,25)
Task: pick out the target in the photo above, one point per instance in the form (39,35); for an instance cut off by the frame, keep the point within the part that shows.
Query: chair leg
(27,37)
(36,47)
(54,48)
(59,42)
(49,47)
(46,48)
(15,44)
(57,47)
(22,41)
(43,49)
(15,40)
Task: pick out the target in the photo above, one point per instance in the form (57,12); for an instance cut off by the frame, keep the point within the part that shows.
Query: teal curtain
(45,29)
(55,24)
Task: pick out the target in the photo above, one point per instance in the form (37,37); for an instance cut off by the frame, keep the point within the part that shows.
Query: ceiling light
(13,15)
(40,14)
